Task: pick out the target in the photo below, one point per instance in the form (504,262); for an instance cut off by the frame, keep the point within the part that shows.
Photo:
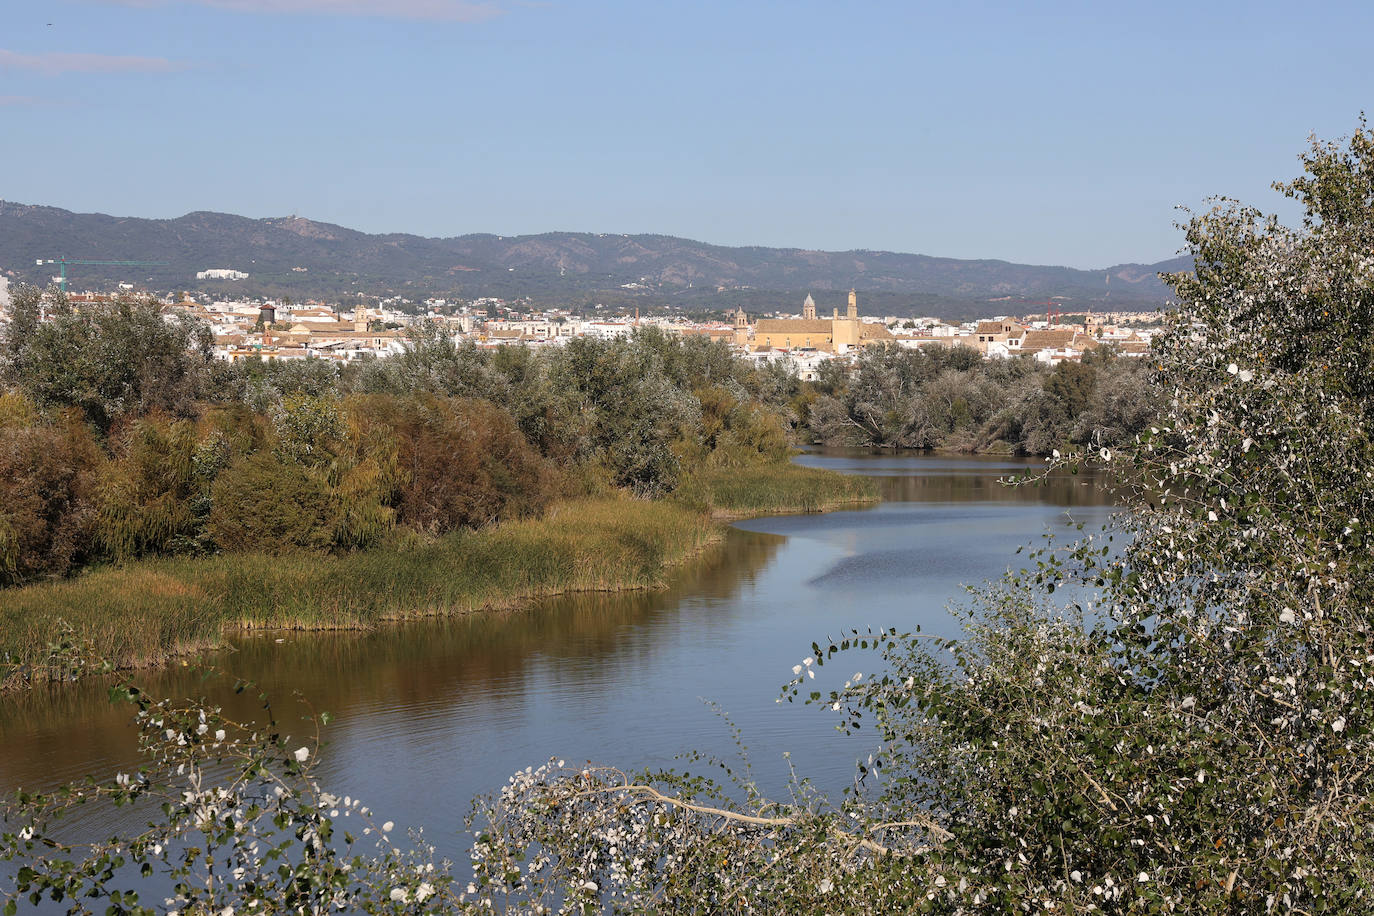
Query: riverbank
(788,489)
(147,613)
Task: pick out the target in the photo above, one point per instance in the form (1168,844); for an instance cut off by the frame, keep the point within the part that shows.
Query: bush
(47,479)
(152,498)
(112,361)
(458,462)
(262,504)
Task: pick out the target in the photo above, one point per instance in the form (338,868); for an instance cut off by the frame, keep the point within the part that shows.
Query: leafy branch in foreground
(238,823)
(1189,729)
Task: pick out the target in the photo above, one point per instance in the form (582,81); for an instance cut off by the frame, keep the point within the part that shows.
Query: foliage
(108,360)
(262,504)
(153,498)
(735,430)
(954,399)
(144,613)
(457,462)
(300,455)
(48,471)
(445,436)
(243,827)
(776,488)
(629,411)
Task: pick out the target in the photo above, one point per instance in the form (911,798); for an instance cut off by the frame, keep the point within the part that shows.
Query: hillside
(301,258)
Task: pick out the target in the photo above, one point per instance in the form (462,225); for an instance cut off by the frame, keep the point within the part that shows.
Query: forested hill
(299,257)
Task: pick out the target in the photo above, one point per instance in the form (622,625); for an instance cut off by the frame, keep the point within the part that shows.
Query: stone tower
(853,305)
(741,335)
(809,308)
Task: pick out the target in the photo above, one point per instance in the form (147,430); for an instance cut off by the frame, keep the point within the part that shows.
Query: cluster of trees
(313,473)
(120,437)
(955,399)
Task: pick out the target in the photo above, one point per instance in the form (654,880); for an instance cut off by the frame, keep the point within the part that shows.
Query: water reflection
(915,477)
(430,713)
(49,736)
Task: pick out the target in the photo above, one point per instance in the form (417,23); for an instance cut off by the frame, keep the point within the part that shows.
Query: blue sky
(1054,133)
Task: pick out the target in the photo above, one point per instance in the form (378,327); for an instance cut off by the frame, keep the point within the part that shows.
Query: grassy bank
(145,613)
(775,488)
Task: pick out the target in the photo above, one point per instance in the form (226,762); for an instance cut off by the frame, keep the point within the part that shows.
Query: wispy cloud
(17,100)
(62,62)
(445,10)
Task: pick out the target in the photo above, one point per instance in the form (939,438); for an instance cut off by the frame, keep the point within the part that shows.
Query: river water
(429,714)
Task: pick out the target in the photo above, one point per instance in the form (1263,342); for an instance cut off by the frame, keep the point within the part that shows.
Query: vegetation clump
(776,488)
(144,613)
(184,457)
(954,399)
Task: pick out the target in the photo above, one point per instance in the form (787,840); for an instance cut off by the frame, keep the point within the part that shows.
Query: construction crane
(63,262)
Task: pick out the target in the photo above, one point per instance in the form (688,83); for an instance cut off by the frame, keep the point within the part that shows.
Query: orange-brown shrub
(47,477)
(459,462)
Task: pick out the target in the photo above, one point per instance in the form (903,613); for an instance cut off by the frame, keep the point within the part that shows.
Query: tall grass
(773,488)
(147,612)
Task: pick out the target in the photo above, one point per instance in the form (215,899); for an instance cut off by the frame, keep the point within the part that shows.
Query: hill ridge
(299,256)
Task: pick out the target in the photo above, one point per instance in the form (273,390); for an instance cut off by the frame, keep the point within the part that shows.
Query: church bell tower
(741,335)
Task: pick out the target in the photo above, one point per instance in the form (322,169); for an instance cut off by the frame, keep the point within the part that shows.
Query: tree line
(954,399)
(121,437)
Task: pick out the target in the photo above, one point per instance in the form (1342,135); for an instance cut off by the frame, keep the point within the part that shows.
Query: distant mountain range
(302,258)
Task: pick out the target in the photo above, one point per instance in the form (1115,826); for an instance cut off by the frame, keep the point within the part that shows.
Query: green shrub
(265,505)
(147,496)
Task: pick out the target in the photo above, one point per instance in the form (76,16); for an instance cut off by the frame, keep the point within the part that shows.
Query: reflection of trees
(411,666)
(1083,489)
(53,736)
(910,475)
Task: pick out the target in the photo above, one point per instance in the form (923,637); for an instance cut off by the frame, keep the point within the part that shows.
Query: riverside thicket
(142,519)
(99,464)
(120,438)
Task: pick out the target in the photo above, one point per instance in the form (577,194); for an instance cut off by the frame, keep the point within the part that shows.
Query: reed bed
(147,612)
(781,488)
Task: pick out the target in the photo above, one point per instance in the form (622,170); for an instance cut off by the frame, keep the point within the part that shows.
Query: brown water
(429,714)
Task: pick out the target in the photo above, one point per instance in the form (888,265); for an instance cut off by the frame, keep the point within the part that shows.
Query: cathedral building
(834,334)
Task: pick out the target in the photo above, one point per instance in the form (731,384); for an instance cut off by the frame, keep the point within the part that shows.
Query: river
(429,714)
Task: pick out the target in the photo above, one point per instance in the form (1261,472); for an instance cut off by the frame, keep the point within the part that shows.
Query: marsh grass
(144,613)
(773,488)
